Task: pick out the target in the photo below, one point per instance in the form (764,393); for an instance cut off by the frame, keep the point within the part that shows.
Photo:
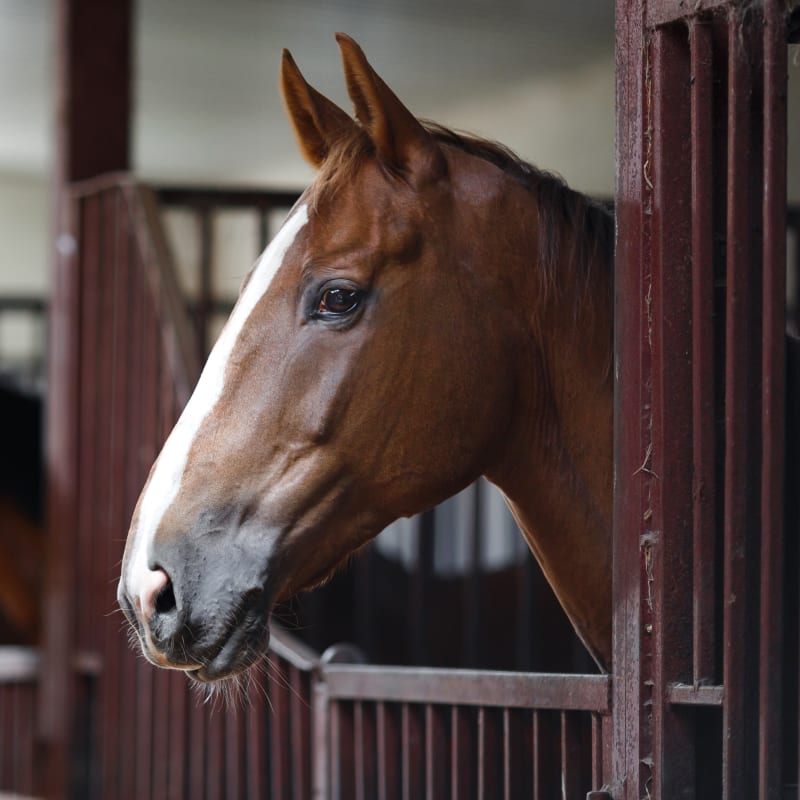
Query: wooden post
(93,90)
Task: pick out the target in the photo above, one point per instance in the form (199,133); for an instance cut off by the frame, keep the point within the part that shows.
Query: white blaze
(165,481)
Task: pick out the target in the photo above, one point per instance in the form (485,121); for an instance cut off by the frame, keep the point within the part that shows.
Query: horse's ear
(317,121)
(400,139)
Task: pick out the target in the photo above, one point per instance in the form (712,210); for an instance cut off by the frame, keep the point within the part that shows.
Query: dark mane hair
(565,217)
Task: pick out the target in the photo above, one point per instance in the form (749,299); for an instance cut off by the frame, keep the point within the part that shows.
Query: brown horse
(433,310)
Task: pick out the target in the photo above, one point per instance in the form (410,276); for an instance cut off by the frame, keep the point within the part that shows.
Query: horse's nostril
(165,600)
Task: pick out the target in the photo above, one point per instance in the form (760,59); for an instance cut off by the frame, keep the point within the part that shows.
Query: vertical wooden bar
(668,542)
(93,57)
(773,407)
(742,370)
(632,369)
(703,369)
(112,722)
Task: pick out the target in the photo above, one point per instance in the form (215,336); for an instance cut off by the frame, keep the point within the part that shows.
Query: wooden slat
(632,369)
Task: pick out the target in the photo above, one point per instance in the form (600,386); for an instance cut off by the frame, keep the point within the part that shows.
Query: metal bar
(462,753)
(693,695)
(280,766)
(214,756)
(299,723)
(292,650)
(121,345)
(365,751)
(740,724)
(773,393)
(134,471)
(704,626)
(490,753)
(668,542)
(178,743)
(517,744)
(570,756)
(159,735)
(93,238)
(482,759)
(321,738)
(597,750)
(507,750)
(151,433)
(437,737)
(547,763)
(382,754)
(469,687)
(256,741)
(411,749)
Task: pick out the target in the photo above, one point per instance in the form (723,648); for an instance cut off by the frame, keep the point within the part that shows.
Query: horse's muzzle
(210,638)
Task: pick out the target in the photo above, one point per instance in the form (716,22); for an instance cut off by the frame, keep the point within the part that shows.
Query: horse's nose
(155,594)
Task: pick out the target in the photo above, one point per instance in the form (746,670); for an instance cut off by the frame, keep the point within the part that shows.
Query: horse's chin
(235,652)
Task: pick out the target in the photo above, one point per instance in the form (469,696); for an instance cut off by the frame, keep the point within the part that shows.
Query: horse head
(383,353)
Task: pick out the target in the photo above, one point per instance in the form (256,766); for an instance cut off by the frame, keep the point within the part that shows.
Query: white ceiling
(207,105)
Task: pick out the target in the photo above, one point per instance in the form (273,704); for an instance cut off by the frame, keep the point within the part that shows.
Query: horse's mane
(565,217)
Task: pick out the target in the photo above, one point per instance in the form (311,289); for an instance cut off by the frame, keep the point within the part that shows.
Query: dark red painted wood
(669,527)
(704,626)
(632,748)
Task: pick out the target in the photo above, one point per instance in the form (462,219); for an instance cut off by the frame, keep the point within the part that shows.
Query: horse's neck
(558,475)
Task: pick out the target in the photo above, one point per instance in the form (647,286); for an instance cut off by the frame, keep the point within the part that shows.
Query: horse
(433,309)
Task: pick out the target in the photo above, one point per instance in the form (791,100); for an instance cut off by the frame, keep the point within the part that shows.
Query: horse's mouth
(215,656)
(242,647)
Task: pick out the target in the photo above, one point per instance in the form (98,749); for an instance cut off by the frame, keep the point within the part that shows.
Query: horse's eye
(339,301)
